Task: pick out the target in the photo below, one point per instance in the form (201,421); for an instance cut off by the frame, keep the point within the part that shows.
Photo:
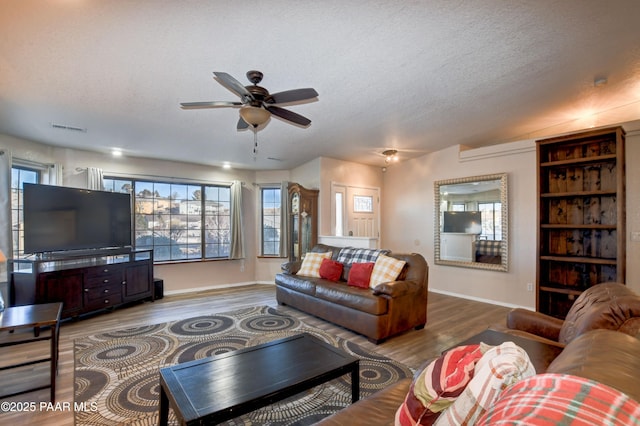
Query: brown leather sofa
(611,306)
(600,338)
(388,309)
(608,357)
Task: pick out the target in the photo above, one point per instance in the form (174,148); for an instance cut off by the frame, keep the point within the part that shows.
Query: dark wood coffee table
(223,387)
(540,354)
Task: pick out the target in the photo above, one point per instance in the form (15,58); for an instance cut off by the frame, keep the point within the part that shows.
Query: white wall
(409,212)
(409,209)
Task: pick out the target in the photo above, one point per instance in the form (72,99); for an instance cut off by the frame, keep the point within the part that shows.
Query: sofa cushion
(360,274)
(499,368)
(555,399)
(613,306)
(306,285)
(386,269)
(438,385)
(330,270)
(357,298)
(311,264)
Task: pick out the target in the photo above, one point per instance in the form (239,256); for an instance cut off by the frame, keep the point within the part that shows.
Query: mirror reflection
(471,222)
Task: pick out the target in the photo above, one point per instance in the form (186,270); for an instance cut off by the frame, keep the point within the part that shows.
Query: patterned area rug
(117,372)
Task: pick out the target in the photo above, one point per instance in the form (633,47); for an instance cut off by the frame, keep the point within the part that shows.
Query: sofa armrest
(291,267)
(396,288)
(377,409)
(535,323)
(606,356)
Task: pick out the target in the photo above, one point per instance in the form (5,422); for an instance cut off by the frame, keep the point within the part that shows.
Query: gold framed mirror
(472,222)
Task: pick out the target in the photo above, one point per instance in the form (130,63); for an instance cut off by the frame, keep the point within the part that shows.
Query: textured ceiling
(416,76)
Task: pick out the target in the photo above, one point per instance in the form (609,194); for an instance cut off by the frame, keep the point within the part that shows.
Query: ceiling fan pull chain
(255,142)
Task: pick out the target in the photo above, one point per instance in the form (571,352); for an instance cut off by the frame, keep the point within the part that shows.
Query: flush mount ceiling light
(390,156)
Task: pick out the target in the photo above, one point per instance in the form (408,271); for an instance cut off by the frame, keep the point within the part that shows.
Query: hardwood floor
(449,320)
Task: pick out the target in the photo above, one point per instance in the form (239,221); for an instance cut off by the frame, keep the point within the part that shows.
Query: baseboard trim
(212,287)
(479,299)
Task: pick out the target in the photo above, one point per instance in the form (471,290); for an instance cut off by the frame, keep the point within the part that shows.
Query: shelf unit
(581,221)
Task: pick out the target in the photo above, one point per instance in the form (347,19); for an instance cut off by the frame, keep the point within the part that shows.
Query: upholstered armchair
(610,306)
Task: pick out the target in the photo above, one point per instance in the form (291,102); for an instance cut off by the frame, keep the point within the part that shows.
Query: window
(491,214)
(339,214)
(271,211)
(19,176)
(179,221)
(362,204)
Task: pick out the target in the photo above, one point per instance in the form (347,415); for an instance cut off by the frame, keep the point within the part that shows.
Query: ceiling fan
(256,103)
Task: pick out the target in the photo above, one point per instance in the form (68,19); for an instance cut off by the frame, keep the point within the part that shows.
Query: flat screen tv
(58,218)
(469,222)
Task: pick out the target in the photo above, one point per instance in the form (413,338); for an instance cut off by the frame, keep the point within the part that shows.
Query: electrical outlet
(529,286)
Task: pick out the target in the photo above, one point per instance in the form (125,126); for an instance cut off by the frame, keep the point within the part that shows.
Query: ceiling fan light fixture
(390,155)
(254,116)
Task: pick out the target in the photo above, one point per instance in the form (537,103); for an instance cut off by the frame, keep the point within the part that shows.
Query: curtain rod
(164,178)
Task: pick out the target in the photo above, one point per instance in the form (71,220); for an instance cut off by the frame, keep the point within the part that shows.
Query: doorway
(355,211)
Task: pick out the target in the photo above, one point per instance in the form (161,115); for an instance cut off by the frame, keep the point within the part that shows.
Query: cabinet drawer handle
(105,270)
(105,281)
(106,290)
(106,301)
(86,290)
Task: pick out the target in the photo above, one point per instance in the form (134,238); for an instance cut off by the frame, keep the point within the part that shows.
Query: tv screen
(58,218)
(463,222)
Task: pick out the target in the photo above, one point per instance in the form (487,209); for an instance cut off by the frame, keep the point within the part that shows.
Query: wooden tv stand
(84,282)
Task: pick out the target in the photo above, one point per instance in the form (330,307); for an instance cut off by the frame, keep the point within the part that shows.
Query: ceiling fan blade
(234,85)
(288,115)
(292,96)
(242,124)
(214,104)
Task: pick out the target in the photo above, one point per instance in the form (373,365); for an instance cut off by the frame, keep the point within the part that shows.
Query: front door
(355,211)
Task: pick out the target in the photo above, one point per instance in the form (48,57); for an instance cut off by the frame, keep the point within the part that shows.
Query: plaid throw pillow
(562,399)
(349,255)
(311,264)
(488,247)
(386,269)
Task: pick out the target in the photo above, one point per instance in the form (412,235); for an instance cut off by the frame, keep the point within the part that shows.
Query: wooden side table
(36,317)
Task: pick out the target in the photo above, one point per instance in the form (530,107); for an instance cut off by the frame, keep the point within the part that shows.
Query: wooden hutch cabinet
(581,221)
(303,211)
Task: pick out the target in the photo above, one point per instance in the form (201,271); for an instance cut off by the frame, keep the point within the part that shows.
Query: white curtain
(237,229)
(55,174)
(6,234)
(285,227)
(95,179)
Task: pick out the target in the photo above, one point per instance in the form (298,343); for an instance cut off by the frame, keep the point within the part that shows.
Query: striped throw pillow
(438,386)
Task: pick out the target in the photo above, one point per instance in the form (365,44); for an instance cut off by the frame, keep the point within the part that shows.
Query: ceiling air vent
(70,128)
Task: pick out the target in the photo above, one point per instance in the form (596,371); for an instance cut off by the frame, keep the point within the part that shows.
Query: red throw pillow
(330,270)
(360,274)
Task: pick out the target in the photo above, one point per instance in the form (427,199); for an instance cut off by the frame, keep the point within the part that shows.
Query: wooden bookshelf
(581,220)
